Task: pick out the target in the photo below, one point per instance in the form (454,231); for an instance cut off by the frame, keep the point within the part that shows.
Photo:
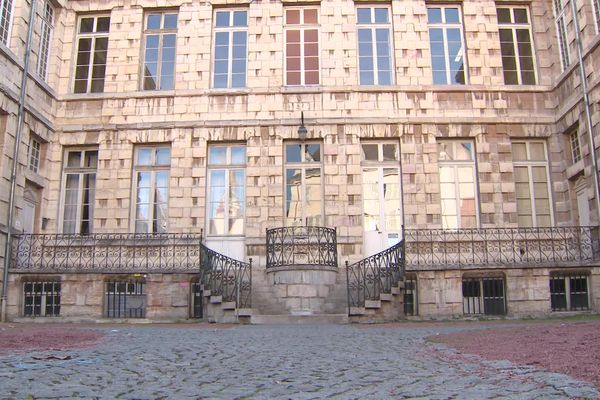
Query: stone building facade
(458,126)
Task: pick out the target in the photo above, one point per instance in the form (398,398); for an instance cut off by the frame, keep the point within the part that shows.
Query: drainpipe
(586,102)
(15,162)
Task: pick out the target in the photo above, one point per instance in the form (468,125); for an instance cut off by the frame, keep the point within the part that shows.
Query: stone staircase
(306,295)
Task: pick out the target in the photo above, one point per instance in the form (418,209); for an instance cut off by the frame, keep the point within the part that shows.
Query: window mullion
(230,57)
(517,55)
(446,54)
(302,66)
(531,195)
(226,192)
(375,54)
(78,214)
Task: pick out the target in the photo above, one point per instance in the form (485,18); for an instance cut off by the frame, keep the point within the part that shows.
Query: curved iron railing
(375,275)
(106,252)
(226,277)
(439,248)
(301,245)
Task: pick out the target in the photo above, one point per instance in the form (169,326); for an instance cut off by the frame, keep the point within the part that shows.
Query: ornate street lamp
(302,131)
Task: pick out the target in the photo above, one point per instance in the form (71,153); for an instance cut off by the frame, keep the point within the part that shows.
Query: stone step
(385,296)
(244,312)
(216,299)
(228,305)
(372,303)
(311,319)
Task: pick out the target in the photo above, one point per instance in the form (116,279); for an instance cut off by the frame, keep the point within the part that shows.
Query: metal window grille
(125,299)
(410,296)
(483,296)
(196,310)
(41,299)
(569,292)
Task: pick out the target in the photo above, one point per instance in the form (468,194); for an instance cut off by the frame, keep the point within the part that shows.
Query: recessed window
(47,17)
(458,184)
(569,291)
(516,45)
(561,30)
(575,147)
(79,191)
(6,20)
(483,296)
(302,46)
(35,149)
(125,299)
(160,37)
(532,183)
(410,295)
(447,46)
(596,8)
(41,299)
(303,184)
(92,49)
(374,45)
(231,37)
(226,189)
(151,177)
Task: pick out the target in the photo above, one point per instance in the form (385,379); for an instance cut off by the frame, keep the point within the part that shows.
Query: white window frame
(81,171)
(303,165)
(161,32)
(381,165)
(444,26)
(561,33)
(152,168)
(302,28)
(227,167)
(46,33)
(530,164)
(373,26)
(230,29)
(455,164)
(7,8)
(94,36)
(513,26)
(575,145)
(34,154)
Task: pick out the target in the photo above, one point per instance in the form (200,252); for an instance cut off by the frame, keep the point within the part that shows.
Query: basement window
(125,299)
(483,296)
(569,291)
(41,299)
(410,295)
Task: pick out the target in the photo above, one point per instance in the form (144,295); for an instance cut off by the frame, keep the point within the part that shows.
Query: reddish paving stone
(21,338)
(567,347)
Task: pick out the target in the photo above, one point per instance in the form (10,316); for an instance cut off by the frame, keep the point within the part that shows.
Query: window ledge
(575,169)
(35,178)
(228,92)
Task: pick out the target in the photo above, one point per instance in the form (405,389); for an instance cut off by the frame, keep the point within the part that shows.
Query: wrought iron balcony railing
(226,277)
(301,245)
(375,275)
(553,246)
(116,253)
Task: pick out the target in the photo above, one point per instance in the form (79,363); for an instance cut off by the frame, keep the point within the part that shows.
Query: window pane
(238,155)
(144,156)
(293,152)
(363,15)
(217,155)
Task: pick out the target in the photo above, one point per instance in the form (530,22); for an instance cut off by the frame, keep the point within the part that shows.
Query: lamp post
(302,131)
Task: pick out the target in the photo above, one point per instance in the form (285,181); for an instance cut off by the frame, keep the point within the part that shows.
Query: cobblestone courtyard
(275,362)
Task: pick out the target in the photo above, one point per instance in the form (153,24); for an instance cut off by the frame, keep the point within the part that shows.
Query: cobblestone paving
(276,362)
